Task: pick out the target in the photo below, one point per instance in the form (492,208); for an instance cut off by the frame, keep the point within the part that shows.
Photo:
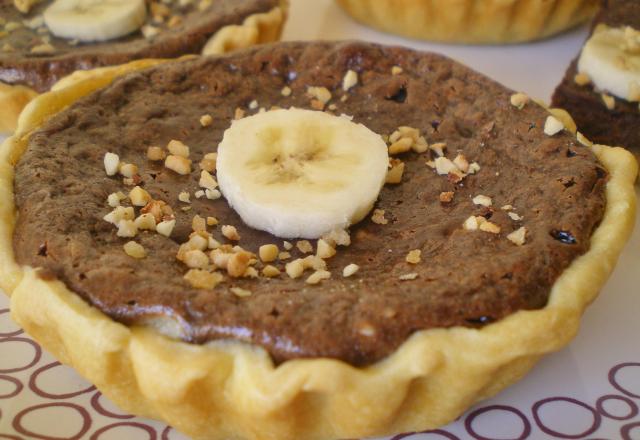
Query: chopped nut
(472,223)
(195,259)
(401,146)
(241,293)
(198,224)
(408,276)
(394,175)
(206,120)
(337,237)
(253,105)
(609,101)
(414,256)
(149,31)
(552,126)
(145,222)
(286,91)
(238,264)
(199,194)
(490,227)
(212,194)
(111,163)
(367,330)
(230,232)
(128,170)
(378,217)
(447,196)
(518,237)
(220,257)
(156,154)
(295,269)
(325,250)
(304,246)
(139,197)
(135,250)
(438,148)
(239,114)
(515,217)
(444,166)
(396,70)
(482,201)
(350,270)
(166,227)
(202,279)
(212,221)
(507,207)
(318,276)
(118,214)
(24,6)
(519,100)
(177,148)
(209,162)
(474,167)
(213,243)
(462,163)
(44,48)
(127,229)
(207,181)
(287,246)
(314,262)
(268,253)
(270,271)
(284,256)
(322,94)
(582,79)
(350,80)
(114,199)
(184,197)
(179,164)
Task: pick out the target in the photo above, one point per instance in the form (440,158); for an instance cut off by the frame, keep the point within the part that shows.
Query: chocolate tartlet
(605,119)
(517,230)
(31,56)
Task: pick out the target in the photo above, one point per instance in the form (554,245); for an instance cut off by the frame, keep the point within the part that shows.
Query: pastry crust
(472,21)
(231,390)
(256,29)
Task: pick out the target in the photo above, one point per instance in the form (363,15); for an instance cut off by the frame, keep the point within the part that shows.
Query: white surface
(609,334)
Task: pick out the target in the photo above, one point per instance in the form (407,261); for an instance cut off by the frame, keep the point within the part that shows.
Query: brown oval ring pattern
(84,414)
(18,386)
(34,361)
(9,334)
(153,435)
(97,406)
(33,385)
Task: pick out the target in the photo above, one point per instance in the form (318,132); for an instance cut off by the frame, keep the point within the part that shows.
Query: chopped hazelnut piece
(582,79)
(609,101)
(206,120)
(135,250)
(438,148)
(220,257)
(518,237)
(304,246)
(552,126)
(128,170)
(414,256)
(179,164)
(314,262)
(209,162)
(149,31)
(238,264)
(213,243)
(287,246)
(207,181)
(401,146)
(322,94)
(286,91)
(127,229)
(253,105)
(367,330)
(184,197)
(230,233)
(165,228)
(295,269)
(378,217)
(270,271)
(507,207)
(212,194)
(202,279)
(350,270)
(268,253)
(198,224)
(212,221)
(196,259)
(472,223)
(145,222)
(447,196)
(489,227)
(462,163)
(241,293)
(177,148)
(155,154)
(482,201)
(350,80)
(318,276)
(337,237)
(114,199)
(325,250)
(118,214)
(111,163)
(394,175)
(408,277)
(43,48)
(199,194)
(396,70)
(444,166)
(519,100)
(515,217)
(474,167)
(139,197)
(284,256)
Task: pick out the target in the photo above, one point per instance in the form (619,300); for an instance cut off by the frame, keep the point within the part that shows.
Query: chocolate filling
(41,71)
(465,278)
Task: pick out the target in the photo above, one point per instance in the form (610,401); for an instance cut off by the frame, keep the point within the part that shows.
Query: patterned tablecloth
(590,390)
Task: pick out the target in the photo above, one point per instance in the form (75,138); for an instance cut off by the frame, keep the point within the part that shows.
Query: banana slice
(611,58)
(301,173)
(95,20)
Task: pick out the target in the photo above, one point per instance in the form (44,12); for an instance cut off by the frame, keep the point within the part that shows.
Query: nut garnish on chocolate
(314,303)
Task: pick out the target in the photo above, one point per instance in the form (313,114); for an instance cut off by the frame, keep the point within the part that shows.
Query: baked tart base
(471,21)
(231,390)
(255,29)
